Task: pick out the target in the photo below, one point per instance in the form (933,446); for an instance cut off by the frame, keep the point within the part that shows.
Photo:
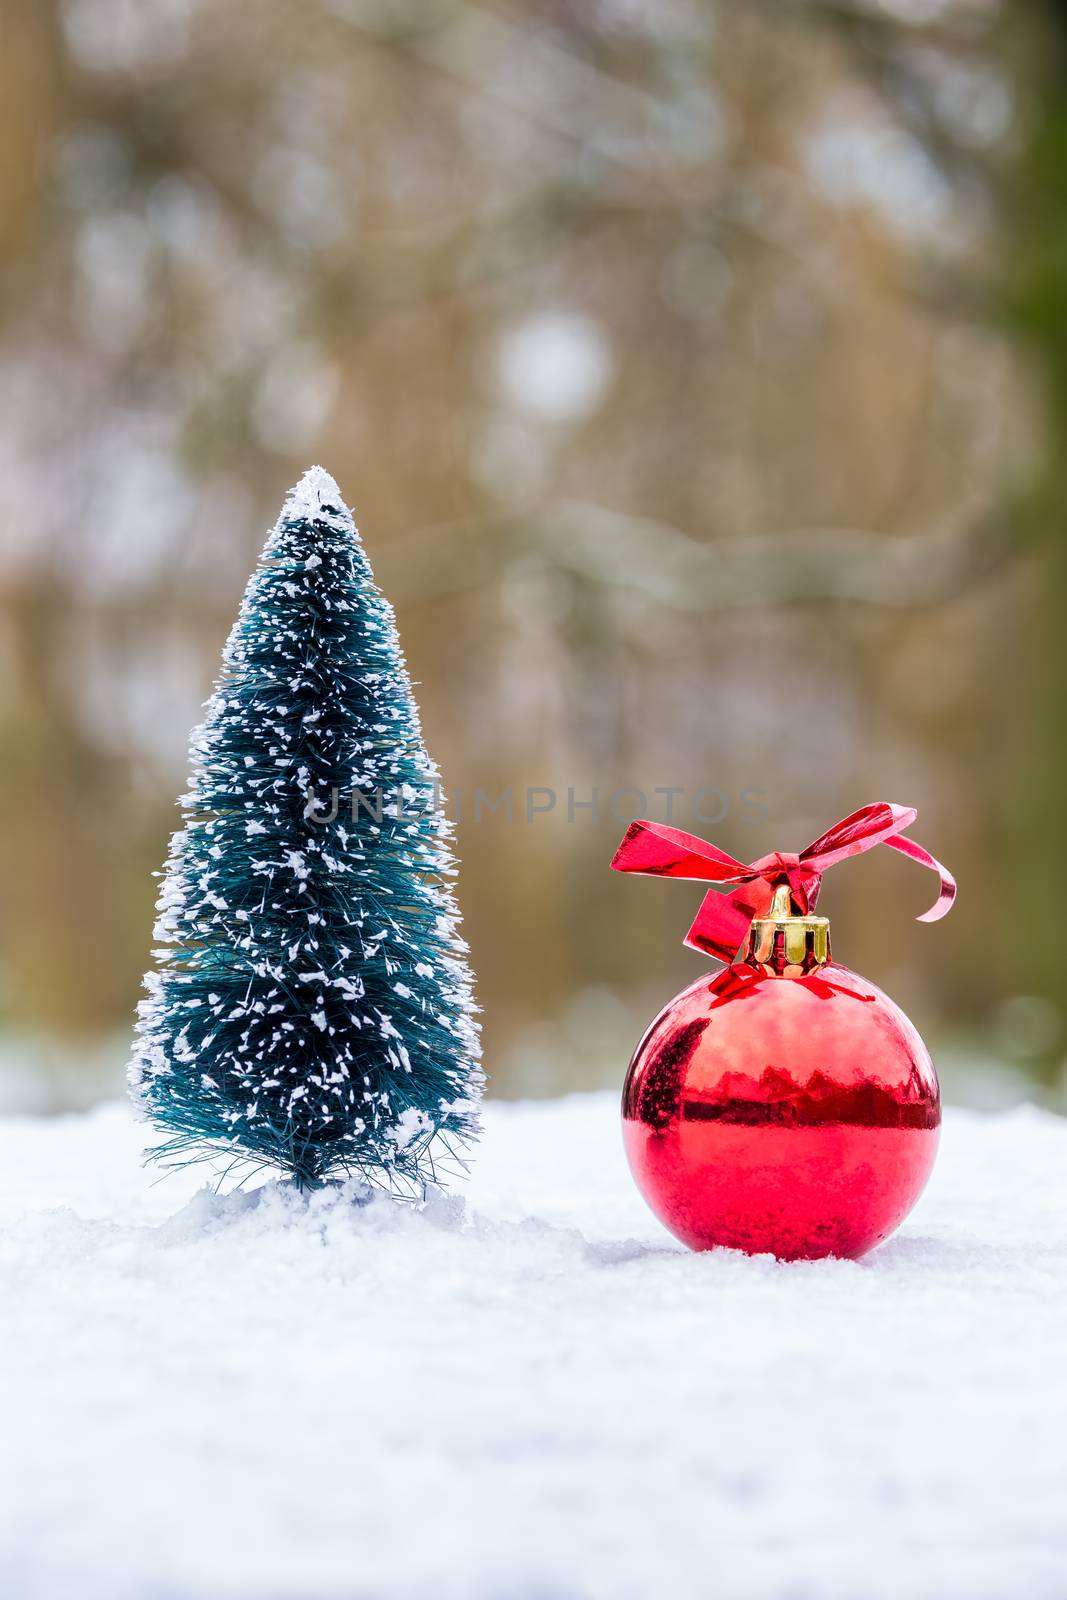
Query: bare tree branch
(675,570)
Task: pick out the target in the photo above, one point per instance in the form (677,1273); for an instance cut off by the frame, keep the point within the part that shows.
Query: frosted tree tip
(316,495)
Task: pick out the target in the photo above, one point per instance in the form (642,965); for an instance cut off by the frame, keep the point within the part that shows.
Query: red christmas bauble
(792,1111)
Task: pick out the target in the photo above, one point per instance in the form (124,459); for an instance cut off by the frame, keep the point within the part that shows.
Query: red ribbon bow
(723,921)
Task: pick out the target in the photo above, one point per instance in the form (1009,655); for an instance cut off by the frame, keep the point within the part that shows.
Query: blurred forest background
(697,371)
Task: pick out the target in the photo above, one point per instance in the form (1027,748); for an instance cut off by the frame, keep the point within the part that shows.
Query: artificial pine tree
(312,1006)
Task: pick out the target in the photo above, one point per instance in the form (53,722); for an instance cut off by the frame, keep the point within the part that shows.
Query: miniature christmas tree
(312,1006)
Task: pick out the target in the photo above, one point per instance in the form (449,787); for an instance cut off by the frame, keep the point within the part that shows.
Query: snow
(524,1391)
(315,493)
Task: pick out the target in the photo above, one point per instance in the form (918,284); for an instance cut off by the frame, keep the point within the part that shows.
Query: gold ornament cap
(786,941)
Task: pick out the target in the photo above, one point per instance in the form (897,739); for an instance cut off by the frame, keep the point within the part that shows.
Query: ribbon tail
(915,852)
(721,925)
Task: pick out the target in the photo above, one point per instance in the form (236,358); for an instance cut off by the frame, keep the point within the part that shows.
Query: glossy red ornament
(795,1115)
(784,1104)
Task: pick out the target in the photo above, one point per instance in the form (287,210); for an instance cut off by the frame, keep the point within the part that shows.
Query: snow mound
(527,1392)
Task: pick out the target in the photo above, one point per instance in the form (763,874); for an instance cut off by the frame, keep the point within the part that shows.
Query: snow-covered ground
(527,1392)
